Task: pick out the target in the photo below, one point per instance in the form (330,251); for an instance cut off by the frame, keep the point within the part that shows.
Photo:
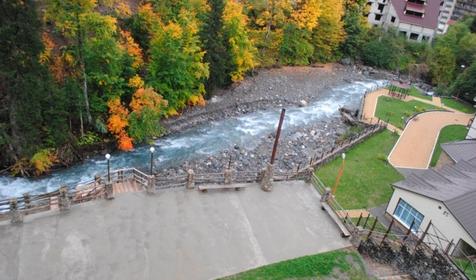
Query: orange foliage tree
(117,123)
(147,108)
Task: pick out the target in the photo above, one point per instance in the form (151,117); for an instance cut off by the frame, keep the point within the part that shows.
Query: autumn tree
(67,17)
(176,68)
(242,50)
(147,108)
(118,122)
(267,21)
(329,33)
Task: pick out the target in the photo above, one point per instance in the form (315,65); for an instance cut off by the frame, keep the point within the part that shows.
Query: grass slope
(457,105)
(339,264)
(396,111)
(449,133)
(367,176)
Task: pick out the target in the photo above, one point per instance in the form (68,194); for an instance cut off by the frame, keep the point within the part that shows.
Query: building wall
(462,8)
(423,34)
(377,16)
(441,218)
(472,130)
(446,11)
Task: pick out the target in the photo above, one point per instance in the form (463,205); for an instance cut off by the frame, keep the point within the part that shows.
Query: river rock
(303,103)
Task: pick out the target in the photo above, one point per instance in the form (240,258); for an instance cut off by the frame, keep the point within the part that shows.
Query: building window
(425,38)
(393,19)
(403,33)
(414,36)
(378,17)
(380,7)
(406,214)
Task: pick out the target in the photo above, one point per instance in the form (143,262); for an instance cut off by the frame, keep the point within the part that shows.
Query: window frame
(408,211)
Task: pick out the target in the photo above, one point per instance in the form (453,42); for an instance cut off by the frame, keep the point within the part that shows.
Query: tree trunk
(79,35)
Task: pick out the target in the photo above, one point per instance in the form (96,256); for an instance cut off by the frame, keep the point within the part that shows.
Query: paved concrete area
(176,234)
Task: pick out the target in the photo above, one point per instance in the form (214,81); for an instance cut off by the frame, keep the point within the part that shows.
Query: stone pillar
(16,216)
(109,191)
(308,175)
(190,179)
(267,180)
(326,195)
(27,200)
(151,185)
(63,199)
(228,174)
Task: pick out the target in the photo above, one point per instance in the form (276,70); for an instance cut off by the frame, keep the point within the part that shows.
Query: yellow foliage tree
(330,33)
(306,14)
(242,49)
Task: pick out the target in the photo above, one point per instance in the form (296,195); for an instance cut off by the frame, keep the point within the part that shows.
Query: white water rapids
(245,131)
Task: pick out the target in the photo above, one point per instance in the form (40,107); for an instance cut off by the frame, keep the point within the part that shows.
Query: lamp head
(343,155)
(152,149)
(108,156)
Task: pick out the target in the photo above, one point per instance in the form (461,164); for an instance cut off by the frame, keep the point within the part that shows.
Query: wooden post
(268,172)
(409,230)
(278,133)
(448,248)
(360,218)
(423,235)
(387,232)
(373,227)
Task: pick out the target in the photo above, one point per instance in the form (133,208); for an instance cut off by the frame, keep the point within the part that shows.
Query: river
(245,131)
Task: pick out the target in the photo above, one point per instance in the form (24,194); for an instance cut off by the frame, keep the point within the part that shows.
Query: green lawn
(396,111)
(413,91)
(449,133)
(469,270)
(331,265)
(367,175)
(458,105)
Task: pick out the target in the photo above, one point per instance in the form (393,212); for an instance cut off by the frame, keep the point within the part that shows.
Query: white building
(418,20)
(445,196)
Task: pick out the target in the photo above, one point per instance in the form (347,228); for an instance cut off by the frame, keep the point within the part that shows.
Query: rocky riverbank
(273,89)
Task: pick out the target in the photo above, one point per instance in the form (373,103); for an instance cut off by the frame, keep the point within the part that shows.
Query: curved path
(417,142)
(415,146)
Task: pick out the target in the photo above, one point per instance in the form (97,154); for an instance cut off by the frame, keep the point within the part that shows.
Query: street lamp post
(339,175)
(108,157)
(152,150)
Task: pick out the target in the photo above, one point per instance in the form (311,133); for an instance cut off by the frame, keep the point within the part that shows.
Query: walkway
(175,234)
(415,146)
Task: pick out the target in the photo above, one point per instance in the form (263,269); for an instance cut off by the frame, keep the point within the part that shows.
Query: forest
(75,73)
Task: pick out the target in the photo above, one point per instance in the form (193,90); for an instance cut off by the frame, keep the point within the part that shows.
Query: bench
(343,229)
(237,187)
